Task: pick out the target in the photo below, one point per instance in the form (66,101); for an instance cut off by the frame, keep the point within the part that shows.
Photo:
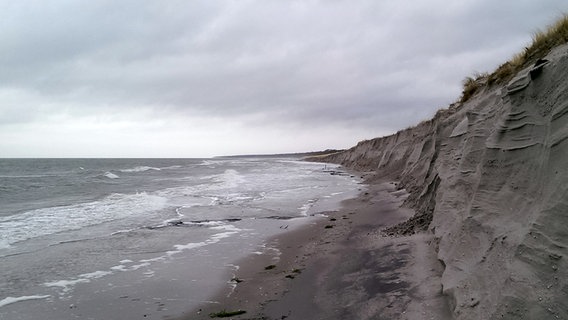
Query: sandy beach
(340,267)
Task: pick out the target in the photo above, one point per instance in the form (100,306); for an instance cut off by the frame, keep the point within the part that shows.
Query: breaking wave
(45,221)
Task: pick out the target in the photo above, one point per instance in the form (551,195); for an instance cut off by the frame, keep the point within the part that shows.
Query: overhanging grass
(542,43)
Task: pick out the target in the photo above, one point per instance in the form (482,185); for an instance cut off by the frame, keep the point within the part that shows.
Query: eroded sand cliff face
(489,178)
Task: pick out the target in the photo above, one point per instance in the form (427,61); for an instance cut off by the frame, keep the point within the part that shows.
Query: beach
(340,267)
(148,239)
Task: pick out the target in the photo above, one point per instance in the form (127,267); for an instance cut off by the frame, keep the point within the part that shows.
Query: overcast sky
(203,78)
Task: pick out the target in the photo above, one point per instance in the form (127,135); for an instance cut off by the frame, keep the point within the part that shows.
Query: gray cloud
(377,66)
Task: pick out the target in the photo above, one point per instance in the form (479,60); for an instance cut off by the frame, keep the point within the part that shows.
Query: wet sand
(340,267)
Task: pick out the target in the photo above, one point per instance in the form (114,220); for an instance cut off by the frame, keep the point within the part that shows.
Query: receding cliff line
(489,178)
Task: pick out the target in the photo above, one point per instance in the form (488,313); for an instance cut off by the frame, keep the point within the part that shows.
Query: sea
(146,238)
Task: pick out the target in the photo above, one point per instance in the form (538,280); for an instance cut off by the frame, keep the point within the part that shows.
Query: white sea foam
(214,190)
(207,223)
(178,248)
(9,300)
(305,208)
(95,275)
(111,175)
(171,167)
(162,258)
(230,230)
(65,285)
(119,267)
(237,197)
(227,227)
(138,266)
(45,221)
(122,231)
(140,169)
(228,179)
(209,163)
(192,245)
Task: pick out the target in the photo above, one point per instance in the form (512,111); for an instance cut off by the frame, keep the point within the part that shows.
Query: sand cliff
(489,178)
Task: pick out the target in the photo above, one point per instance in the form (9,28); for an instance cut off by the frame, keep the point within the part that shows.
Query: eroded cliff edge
(489,177)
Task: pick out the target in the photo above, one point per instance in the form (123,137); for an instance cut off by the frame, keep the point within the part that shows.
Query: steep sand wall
(490,179)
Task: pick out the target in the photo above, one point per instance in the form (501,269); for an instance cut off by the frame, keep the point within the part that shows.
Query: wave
(67,285)
(9,300)
(110,175)
(45,221)
(140,169)
(229,179)
(148,168)
(229,231)
(26,176)
(305,208)
(209,163)
(171,167)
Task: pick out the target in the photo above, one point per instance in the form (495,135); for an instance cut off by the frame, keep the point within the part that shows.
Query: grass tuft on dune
(543,41)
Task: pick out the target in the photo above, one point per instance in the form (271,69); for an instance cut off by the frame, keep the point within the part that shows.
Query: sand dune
(489,179)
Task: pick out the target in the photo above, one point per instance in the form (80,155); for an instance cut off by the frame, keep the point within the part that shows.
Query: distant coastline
(324,153)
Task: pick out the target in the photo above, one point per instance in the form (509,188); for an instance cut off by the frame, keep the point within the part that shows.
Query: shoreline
(340,267)
(180,258)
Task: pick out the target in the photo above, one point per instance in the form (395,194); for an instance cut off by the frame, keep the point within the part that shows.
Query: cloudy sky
(104,78)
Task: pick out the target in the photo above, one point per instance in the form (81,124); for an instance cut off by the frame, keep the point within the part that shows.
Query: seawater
(77,233)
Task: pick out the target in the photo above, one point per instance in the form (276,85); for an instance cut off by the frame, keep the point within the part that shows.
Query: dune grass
(472,84)
(543,41)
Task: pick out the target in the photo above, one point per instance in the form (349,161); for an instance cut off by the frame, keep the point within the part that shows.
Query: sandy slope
(489,179)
